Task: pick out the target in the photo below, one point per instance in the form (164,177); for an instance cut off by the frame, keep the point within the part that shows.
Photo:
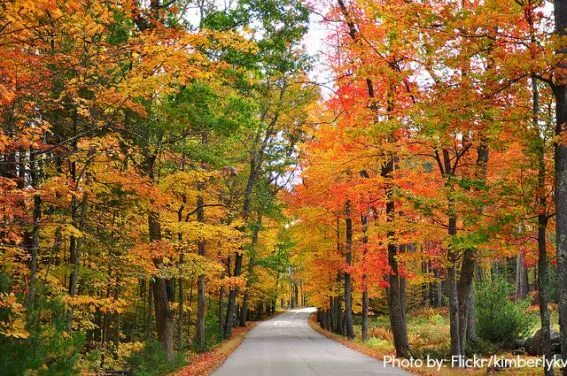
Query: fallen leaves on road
(206,363)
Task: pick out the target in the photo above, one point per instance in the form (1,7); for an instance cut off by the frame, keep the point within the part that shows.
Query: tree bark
(75,253)
(200,335)
(245,302)
(560,93)
(230,309)
(163,313)
(542,219)
(396,307)
(452,290)
(34,249)
(349,330)
(364,329)
(181,309)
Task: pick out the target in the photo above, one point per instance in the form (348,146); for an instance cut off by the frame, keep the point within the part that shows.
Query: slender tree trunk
(201,339)
(230,309)
(181,283)
(331,311)
(164,317)
(349,330)
(364,329)
(220,310)
(465,291)
(452,290)
(75,255)
(543,287)
(541,204)
(395,294)
(560,93)
(163,313)
(34,249)
(245,302)
(149,313)
(181,309)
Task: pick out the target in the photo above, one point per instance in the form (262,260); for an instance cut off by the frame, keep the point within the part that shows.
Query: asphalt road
(287,346)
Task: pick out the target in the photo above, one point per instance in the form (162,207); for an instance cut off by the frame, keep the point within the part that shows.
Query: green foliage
(214,334)
(481,347)
(499,320)
(49,350)
(379,344)
(152,361)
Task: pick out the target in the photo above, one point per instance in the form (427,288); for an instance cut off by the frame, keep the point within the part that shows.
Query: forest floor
(429,335)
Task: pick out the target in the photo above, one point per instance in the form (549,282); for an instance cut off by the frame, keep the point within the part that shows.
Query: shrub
(382,333)
(481,347)
(152,361)
(49,349)
(380,344)
(214,334)
(499,320)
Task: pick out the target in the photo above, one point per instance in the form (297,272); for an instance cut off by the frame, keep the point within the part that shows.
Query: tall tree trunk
(542,219)
(452,290)
(465,291)
(543,287)
(364,329)
(219,312)
(230,309)
(181,284)
(245,302)
(395,294)
(75,253)
(255,163)
(349,330)
(149,312)
(163,313)
(34,249)
(201,339)
(560,93)
(180,309)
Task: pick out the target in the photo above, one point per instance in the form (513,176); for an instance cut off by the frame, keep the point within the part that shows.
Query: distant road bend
(287,346)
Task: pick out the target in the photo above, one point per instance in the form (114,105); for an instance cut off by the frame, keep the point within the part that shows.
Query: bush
(152,361)
(480,347)
(499,320)
(49,349)
(214,334)
(380,344)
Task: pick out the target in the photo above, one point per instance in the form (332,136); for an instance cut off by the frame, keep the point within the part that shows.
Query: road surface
(287,346)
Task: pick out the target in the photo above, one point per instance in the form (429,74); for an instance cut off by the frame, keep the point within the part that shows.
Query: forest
(172,170)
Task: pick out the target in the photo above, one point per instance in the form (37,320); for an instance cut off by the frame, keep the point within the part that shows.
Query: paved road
(287,346)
